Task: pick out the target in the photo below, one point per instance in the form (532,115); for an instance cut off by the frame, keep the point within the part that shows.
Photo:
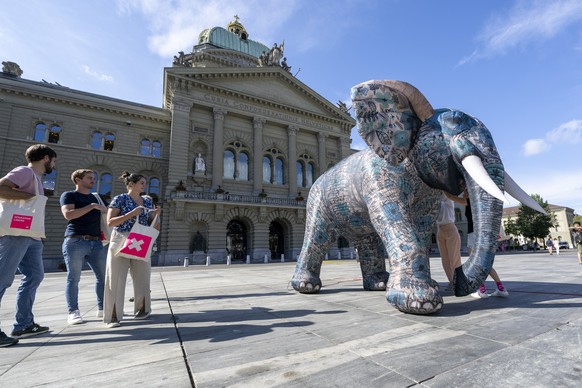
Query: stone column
(322,154)
(345,147)
(292,160)
(179,141)
(258,124)
(217,148)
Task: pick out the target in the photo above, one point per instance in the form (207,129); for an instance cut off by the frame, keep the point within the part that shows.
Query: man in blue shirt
(83,241)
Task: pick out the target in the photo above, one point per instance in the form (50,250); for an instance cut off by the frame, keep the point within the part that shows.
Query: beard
(48,168)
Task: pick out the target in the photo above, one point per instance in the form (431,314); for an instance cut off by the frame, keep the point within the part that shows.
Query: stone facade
(254,126)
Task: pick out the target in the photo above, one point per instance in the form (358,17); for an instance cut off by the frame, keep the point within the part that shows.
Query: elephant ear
(418,101)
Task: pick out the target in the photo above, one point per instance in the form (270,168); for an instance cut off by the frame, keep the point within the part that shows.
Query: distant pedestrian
(83,241)
(24,253)
(557,246)
(550,245)
(577,239)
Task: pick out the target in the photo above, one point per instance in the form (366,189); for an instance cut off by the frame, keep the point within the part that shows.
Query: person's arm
(70,213)
(9,190)
(114,219)
(459,200)
(153,214)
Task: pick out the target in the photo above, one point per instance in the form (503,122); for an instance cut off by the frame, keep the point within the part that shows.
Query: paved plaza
(244,326)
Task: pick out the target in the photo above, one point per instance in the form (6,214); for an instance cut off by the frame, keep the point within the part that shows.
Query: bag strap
(96,195)
(37,181)
(154,221)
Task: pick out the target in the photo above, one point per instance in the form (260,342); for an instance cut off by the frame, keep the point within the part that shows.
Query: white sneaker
(503,293)
(75,318)
(113,324)
(479,295)
(99,314)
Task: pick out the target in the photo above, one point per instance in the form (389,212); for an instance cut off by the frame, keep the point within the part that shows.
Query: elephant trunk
(487,211)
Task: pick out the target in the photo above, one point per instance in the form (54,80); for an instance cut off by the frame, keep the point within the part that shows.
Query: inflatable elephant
(385,199)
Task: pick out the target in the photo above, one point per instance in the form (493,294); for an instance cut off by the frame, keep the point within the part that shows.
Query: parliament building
(230,156)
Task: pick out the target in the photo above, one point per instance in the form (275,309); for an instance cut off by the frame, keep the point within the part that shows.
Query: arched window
(145,147)
(96,140)
(228,164)
(305,170)
(243,166)
(266,169)
(236,161)
(109,142)
(49,182)
(310,174)
(150,148)
(103,184)
(156,148)
(300,174)
(153,189)
(274,167)
(39,132)
(54,134)
(279,175)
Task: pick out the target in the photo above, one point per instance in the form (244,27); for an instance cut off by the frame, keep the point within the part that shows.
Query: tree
(532,224)
(510,227)
(577,218)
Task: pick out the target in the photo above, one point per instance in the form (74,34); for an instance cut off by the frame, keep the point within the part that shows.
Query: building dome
(235,38)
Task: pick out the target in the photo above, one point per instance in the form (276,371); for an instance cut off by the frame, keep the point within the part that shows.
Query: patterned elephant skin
(388,213)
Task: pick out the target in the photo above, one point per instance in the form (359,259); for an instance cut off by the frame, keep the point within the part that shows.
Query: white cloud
(101,77)
(176,24)
(528,22)
(535,146)
(569,133)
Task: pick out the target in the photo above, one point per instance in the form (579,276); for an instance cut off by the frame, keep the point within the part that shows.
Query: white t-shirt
(446,211)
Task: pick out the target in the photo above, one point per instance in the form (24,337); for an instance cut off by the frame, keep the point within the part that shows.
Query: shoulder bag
(140,241)
(23,217)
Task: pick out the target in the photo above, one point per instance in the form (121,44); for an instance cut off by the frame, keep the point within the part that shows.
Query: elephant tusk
(475,169)
(517,192)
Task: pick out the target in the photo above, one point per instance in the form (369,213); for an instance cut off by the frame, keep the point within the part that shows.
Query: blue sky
(514,64)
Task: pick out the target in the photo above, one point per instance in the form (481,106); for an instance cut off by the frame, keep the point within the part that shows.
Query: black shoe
(31,330)
(7,341)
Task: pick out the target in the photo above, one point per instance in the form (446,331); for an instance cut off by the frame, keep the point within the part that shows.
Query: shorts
(470,240)
(579,247)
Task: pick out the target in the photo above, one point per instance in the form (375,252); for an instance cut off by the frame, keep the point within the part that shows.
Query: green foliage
(577,218)
(532,224)
(510,227)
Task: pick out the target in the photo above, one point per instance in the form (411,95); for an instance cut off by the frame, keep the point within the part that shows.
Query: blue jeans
(75,252)
(24,254)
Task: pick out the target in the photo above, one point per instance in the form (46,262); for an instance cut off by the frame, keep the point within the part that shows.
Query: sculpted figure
(387,196)
(199,164)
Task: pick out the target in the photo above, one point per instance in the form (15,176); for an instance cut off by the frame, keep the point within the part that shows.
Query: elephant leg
(320,233)
(372,255)
(410,287)
(404,213)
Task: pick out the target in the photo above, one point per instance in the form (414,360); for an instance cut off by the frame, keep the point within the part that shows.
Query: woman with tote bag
(125,210)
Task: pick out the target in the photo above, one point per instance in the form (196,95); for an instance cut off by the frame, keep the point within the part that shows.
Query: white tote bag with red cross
(140,241)
(19,217)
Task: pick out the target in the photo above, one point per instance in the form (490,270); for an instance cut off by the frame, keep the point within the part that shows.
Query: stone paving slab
(243,326)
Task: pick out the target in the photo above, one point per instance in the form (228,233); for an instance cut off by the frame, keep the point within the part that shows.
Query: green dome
(222,38)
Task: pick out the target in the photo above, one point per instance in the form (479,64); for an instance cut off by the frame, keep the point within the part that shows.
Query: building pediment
(272,87)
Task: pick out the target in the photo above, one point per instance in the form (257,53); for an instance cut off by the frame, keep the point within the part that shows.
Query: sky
(514,64)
